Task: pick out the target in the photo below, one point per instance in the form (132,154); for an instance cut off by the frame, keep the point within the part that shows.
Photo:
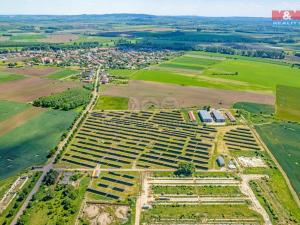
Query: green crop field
(6,77)
(109,41)
(189,62)
(283,140)
(30,143)
(240,73)
(255,107)
(27,37)
(197,190)
(112,103)
(122,72)
(62,74)
(287,103)
(8,109)
(189,214)
(167,77)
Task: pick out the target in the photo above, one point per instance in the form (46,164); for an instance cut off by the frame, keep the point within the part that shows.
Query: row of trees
(261,53)
(58,47)
(67,100)
(21,196)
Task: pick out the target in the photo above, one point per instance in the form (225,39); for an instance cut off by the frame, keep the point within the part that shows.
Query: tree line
(260,53)
(67,100)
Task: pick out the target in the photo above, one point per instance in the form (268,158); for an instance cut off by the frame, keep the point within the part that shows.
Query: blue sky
(253,8)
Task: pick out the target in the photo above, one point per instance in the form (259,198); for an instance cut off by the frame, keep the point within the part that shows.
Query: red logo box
(286,15)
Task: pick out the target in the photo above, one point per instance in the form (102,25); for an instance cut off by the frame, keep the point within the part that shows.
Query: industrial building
(205,116)
(192,116)
(218,117)
(220,161)
(230,117)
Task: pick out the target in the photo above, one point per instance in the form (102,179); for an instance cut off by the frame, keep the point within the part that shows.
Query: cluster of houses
(107,58)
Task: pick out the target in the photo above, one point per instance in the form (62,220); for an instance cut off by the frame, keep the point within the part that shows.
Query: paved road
(50,163)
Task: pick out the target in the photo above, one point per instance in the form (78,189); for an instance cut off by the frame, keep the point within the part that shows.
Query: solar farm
(132,155)
(129,139)
(114,186)
(239,139)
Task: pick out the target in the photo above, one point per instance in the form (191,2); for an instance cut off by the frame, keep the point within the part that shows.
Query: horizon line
(145,14)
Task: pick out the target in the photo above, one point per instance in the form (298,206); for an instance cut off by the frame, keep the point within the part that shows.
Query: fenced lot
(142,139)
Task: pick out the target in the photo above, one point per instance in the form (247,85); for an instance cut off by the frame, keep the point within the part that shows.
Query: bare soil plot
(18,120)
(2,38)
(143,94)
(102,214)
(60,38)
(31,88)
(31,71)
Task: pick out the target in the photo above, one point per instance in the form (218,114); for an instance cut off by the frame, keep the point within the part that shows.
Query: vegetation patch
(55,204)
(30,143)
(287,103)
(8,109)
(197,190)
(8,214)
(181,214)
(27,37)
(62,74)
(111,103)
(240,73)
(69,99)
(282,140)
(255,108)
(6,77)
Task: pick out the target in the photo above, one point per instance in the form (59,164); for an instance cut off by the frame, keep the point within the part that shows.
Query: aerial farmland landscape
(133,112)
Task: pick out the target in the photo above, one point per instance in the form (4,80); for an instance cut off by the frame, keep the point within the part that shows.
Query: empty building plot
(241,139)
(139,139)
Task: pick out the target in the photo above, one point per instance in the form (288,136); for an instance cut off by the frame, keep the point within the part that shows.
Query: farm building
(218,117)
(205,116)
(192,116)
(221,161)
(230,117)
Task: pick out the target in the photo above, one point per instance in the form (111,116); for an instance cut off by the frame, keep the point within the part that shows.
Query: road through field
(246,189)
(50,163)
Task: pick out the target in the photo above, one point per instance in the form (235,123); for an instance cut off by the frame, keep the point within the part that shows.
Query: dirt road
(246,189)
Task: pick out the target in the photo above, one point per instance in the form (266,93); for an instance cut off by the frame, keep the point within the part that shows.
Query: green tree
(185,169)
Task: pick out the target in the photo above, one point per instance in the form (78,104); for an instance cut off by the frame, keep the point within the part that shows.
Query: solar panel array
(121,139)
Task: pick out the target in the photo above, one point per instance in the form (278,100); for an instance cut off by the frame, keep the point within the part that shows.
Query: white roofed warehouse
(218,117)
(205,116)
